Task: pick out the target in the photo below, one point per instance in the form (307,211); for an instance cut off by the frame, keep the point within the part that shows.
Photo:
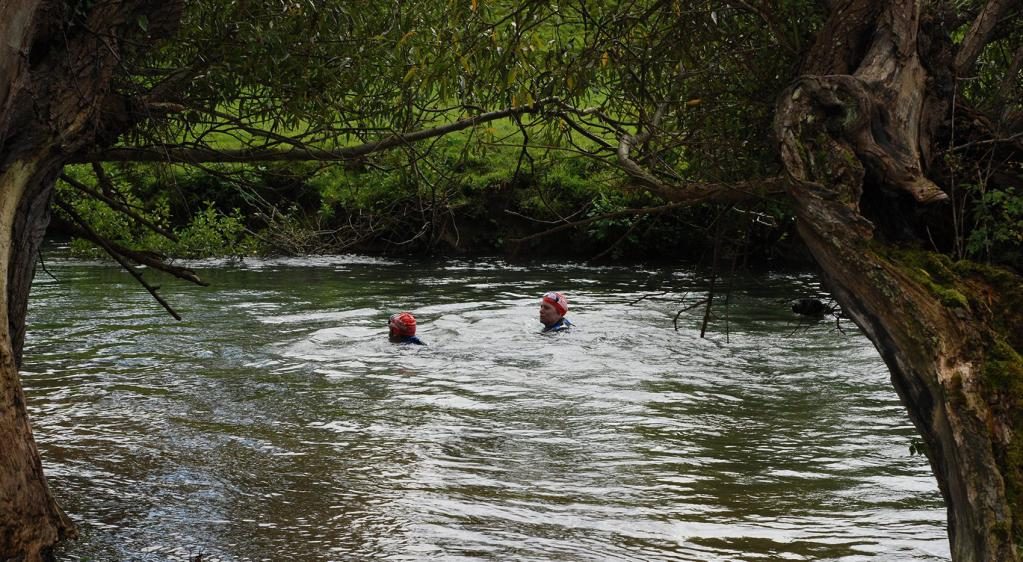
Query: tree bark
(31,523)
(854,133)
(55,78)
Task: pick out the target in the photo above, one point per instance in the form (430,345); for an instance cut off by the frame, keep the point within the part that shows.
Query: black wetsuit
(558,326)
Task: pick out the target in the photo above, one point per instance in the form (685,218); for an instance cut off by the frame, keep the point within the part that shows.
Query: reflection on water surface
(277,423)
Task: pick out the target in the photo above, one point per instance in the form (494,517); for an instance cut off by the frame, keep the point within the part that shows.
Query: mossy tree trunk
(56,67)
(856,134)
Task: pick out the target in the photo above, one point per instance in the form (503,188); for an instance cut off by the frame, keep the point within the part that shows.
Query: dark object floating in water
(810,307)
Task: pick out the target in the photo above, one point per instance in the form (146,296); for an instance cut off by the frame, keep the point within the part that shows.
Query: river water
(275,422)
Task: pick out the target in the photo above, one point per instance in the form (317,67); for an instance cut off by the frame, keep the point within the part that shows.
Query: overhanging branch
(118,206)
(120,255)
(980,34)
(201,155)
(692,195)
(81,230)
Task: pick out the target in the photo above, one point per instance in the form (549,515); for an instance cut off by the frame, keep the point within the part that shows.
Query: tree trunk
(30,520)
(855,138)
(56,68)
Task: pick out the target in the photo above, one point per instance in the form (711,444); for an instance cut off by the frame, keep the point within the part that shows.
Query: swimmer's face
(548,314)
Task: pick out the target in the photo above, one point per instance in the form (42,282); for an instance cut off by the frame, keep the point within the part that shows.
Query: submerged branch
(700,302)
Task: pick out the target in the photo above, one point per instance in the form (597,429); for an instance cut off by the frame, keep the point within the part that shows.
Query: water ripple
(277,423)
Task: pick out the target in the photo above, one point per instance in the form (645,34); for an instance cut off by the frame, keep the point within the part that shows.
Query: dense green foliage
(693,85)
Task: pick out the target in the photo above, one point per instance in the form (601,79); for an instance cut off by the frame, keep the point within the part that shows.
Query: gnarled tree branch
(980,34)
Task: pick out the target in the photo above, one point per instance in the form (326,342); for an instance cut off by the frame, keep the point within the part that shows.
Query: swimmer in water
(402,326)
(553,307)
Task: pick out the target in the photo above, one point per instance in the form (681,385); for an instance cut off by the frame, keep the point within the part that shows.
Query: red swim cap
(557,300)
(402,324)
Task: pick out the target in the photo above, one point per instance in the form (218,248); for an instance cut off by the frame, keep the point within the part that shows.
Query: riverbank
(560,215)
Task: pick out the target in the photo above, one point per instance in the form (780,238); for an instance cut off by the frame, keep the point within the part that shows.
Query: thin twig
(1008,139)
(42,263)
(649,297)
(117,257)
(710,298)
(118,206)
(617,242)
(686,309)
(529,218)
(611,215)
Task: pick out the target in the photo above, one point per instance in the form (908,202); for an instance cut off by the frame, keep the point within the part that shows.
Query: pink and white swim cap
(557,300)
(402,324)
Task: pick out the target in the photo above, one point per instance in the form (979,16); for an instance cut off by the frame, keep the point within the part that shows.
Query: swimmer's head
(553,306)
(402,324)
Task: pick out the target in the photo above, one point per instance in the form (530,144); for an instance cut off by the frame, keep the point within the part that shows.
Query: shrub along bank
(471,206)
